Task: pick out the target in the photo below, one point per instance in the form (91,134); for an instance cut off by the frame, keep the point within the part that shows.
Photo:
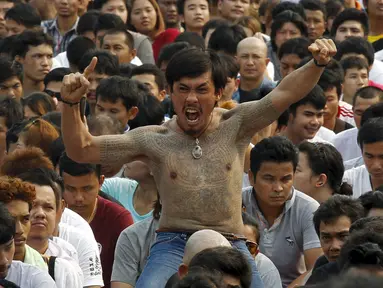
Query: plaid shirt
(60,41)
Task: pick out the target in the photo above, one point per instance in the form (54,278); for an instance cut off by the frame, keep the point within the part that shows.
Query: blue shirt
(123,190)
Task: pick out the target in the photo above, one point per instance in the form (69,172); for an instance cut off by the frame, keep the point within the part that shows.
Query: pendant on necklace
(197,150)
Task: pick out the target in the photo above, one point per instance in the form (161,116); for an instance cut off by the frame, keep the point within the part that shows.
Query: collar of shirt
(54,25)
(262,219)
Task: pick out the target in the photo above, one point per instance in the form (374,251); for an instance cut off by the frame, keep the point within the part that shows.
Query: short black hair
(87,22)
(297,46)
(356,45)
(353,62)
(374,111)
(75,169)
(10,69)
(150,110)
(56,75)
(283,18)
(116,87)
(371,132)
(315,98)
(314,5)
(332,78)
(193,38)
(193,62)
(335,207)
(107,63)
(181,6)
(11,110)
(251,221)
(275,149)
(7,45)
(325,159)
(362,248)
(225,38)
(24,14)
(129,40)
(8,284)
(28,39)
(227,260)
(231,65)
(108,21)
(152,70)
(350,14)
(57,149)
(371,200)
(368,92)
(212,24)
(333,8)
(77,48)
(7,225)
(373,223)
(197,277)
(169,50)
(288,6)
(42,177)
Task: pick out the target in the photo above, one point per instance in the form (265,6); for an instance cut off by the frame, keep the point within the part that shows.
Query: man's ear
(133,53)
(162,95)
(19,59)
(183,270)
(321,181)
(102,179)
(218,95)
(133,112)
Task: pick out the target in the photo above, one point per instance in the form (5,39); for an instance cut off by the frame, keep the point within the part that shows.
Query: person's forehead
(11,81)
(359,101)
(81,180)
(308,107)
(276,168)
(117,37)
(351,24)
(291,58)
(314,13)
(43,48)
(45,194)
(375,148)
(339,224)
(114,3)
(145,78)
(110,105)
(196,81)
(18,207)
(356,70)
(288,26)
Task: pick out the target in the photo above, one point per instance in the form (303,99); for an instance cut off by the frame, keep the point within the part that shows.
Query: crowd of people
(191,143)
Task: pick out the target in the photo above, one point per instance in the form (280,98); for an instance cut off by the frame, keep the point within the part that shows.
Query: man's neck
(330,123)
(64,24)
(375,183)
(147,191)
(376,27)
(250,84)
(39,244)
(30,86)
(292,136)
(198,31)
(20,255)
(270,213)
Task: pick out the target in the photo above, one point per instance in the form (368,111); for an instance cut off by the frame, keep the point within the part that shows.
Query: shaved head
(252,44)
(202,240)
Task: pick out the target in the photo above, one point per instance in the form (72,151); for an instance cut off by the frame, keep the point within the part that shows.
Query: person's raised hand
(323,50)
(75,85)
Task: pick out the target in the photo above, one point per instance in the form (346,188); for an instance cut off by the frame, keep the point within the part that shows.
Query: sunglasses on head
(57,95)
(252,247)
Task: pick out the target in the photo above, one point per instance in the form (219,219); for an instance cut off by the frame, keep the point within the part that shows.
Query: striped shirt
(60,42)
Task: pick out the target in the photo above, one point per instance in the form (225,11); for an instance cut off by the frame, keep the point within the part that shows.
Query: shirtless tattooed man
(197,157)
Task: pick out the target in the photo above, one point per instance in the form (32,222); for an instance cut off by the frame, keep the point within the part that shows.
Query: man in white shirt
(346,142)
(369,176)
(23,275)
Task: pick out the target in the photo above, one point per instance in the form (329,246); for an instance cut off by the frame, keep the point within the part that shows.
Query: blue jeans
(166,255)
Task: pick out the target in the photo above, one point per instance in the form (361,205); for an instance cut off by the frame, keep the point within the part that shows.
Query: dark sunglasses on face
(57,95)
(253,247)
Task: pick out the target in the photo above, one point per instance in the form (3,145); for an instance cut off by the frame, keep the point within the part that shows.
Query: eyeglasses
(253,247)
(51,93)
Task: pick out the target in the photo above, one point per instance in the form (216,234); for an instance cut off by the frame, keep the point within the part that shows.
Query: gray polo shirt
(291,234)
(132,250)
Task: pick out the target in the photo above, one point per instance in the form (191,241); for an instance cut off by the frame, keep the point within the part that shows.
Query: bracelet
(70,103)
(319,65)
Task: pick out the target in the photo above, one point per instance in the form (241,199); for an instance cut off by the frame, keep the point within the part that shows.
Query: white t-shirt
(28,276)
(325,134)
(379,56)
(88,253)
(359,179)
(66,276)
(61,61)
(347,145)
(268,272)
(376,72)
(73,219)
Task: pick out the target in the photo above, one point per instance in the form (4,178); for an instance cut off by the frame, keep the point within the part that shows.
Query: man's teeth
(189,110)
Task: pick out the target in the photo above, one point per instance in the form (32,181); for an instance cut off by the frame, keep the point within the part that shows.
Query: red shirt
(166,37)
(110,220)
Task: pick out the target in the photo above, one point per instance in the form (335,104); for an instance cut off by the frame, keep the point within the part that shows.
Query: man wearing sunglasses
(53,83)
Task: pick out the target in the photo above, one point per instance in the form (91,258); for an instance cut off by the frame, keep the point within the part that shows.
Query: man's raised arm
(80,145)
(258,114)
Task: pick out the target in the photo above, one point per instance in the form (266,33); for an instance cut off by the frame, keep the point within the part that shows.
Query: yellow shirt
(372,39)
